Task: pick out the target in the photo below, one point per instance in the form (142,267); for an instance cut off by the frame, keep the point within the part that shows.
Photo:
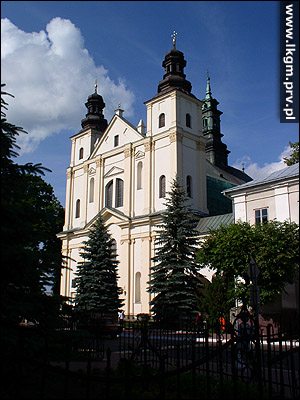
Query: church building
(123,173)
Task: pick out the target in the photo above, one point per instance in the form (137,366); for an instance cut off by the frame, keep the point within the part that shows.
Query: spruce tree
(174,274)
(97,290)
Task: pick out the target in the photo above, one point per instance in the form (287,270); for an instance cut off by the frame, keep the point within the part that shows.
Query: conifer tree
(174,275)
(31,217)
(97,290)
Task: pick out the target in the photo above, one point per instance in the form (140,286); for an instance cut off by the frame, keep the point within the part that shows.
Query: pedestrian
(222,326)
(121,316)
(244,331)
(199,322)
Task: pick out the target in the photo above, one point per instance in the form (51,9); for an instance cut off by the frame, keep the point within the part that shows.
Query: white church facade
(123,173)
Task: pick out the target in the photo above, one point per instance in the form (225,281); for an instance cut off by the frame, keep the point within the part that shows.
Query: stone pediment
(114,171)
(139,154)
(92,171)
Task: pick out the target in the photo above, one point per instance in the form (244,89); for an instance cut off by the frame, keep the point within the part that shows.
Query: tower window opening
(108,194)
(113,250)
(137,297)
(188,120)
(189,186)
(139,175)
(77,209)
(162,187)
(119,193)
(161,120)
(81,153)
(116,141)
(91,196)
(205,123)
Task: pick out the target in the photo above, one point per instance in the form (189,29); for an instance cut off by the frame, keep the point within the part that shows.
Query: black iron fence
(149,361)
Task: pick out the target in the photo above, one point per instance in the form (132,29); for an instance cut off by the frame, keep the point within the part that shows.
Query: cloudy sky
(52,52)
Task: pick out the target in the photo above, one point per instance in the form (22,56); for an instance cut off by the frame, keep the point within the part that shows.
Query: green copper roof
(208,88)
(205,225)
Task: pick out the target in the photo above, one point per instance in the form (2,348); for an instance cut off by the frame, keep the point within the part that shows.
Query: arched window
(81,153)
(162,187)
(161,120)
(188,120)
(77,209)
(137,297)
(114,250)
(119,192)
(91,196)
(189,186)
(108,194)
(139,175)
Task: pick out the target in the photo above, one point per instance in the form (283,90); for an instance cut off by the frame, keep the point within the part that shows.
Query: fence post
(294,383)
(44,366)
(193,361)
(88,375)
(220,359)
(269,355)
(207,360)
(67,366)
(107,372)
(258,371)
(233,363)
(162,386)
(281,366)
(178,371)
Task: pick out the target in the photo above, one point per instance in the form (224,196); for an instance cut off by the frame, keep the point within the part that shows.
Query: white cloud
(256,171)
(51,74)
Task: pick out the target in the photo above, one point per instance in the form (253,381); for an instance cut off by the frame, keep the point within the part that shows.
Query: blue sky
(52,52)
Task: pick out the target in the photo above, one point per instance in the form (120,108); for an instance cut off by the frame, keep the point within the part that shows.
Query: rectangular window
(261,216)
(116,140)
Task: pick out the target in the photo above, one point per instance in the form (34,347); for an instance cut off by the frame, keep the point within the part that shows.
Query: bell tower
(174,123)
(93,126)
(216,150)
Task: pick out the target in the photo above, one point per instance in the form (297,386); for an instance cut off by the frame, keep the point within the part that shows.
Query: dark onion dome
(174,77)
(94,118)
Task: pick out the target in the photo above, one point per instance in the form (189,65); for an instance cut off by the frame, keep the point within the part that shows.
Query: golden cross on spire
(173,36)
(96,86)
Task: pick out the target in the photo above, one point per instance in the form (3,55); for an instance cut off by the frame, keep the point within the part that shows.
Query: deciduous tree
(273,245)
(294,156)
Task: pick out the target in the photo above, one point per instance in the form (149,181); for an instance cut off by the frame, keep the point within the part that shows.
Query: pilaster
(68,203)
(149,149)
(99,186)
(128,180)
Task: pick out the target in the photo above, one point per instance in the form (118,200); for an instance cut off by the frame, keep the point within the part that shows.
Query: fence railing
(149,359)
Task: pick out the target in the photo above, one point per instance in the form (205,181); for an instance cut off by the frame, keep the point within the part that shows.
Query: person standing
(222,326)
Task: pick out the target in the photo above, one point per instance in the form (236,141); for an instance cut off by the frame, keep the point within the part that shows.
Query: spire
(96,86)
(216,150)
(208,88)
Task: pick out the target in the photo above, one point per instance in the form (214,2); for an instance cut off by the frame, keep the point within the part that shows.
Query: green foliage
(174,274)
(273,245)
(96,282)
(294,157)
(31,218)
(217,298)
